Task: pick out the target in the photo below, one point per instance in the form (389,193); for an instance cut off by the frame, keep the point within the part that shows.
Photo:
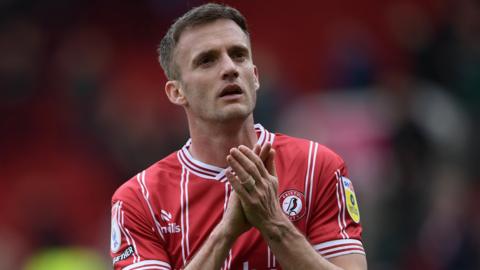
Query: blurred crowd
(392,86)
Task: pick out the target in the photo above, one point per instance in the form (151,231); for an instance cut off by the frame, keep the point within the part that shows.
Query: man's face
(217,77)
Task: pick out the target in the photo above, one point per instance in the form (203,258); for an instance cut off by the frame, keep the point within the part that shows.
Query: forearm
(213,252)
(291,248)
(261,208)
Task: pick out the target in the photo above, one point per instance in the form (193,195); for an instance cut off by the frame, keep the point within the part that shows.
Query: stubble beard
(237,113)
(227,113)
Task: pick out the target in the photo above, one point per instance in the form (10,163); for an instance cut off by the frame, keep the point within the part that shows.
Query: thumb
(270,164)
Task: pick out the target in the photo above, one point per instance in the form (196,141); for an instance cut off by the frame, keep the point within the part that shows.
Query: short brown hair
(197,16)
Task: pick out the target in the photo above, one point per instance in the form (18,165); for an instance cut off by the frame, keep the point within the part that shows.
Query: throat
(213,146)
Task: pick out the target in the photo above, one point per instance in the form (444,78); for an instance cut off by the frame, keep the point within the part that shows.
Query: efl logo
(293,204)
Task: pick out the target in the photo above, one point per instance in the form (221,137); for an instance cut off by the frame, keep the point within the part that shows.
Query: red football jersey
(162,216)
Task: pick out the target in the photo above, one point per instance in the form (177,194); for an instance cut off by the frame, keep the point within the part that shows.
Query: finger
(271,163)
(237,186)
(249,184)
(255,159)
(256,149)
(247,165)
(264,152)
(237,169)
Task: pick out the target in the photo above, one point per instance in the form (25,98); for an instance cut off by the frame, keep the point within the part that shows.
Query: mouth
(231,90)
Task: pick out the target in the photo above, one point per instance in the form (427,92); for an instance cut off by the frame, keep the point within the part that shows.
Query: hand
(259,199)
(234,220)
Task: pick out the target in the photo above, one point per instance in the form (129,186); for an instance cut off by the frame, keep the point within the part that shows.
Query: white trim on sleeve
(148,264)
(339,247)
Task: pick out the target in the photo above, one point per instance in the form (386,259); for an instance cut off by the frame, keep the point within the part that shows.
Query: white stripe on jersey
(187,234)
(148,264)
(307,174)
(226,198)
(181,215)
(312,173)
(133,242)
(270,258)
(120,223)
(340,207)
(340,226)
(342,193)
(126,233)
(228,190)
(145,185)
(141,182)
(230,259)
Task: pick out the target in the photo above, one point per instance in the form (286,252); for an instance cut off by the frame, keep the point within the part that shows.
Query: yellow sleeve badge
(351,200)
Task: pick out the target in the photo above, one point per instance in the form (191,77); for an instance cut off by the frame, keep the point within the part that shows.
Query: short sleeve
(334,227)
(135,243)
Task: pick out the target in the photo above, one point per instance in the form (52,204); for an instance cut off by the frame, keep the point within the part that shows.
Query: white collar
(208,171)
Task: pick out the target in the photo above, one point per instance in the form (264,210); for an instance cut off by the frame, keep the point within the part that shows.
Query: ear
(257,81)
(175,93)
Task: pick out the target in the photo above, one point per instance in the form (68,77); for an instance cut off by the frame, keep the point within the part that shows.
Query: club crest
(293,204)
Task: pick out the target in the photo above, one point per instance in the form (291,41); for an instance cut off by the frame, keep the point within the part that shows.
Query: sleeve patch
(116,236)
(351,199)
(125,254)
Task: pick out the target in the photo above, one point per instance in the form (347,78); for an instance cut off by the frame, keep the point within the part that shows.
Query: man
(235,196)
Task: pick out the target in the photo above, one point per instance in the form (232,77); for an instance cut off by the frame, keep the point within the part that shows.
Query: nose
(230,69)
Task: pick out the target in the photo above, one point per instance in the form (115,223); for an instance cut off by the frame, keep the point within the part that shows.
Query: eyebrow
(202,55)
(238,48)
(214,52)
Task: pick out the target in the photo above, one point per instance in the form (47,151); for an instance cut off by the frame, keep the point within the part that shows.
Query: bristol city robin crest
(293,204)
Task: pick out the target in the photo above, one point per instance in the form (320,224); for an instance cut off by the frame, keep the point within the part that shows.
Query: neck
(211,142)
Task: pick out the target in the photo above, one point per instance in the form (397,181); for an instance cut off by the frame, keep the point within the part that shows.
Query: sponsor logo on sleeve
(115,237)
(125,254)
(351,199)
(293,204)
